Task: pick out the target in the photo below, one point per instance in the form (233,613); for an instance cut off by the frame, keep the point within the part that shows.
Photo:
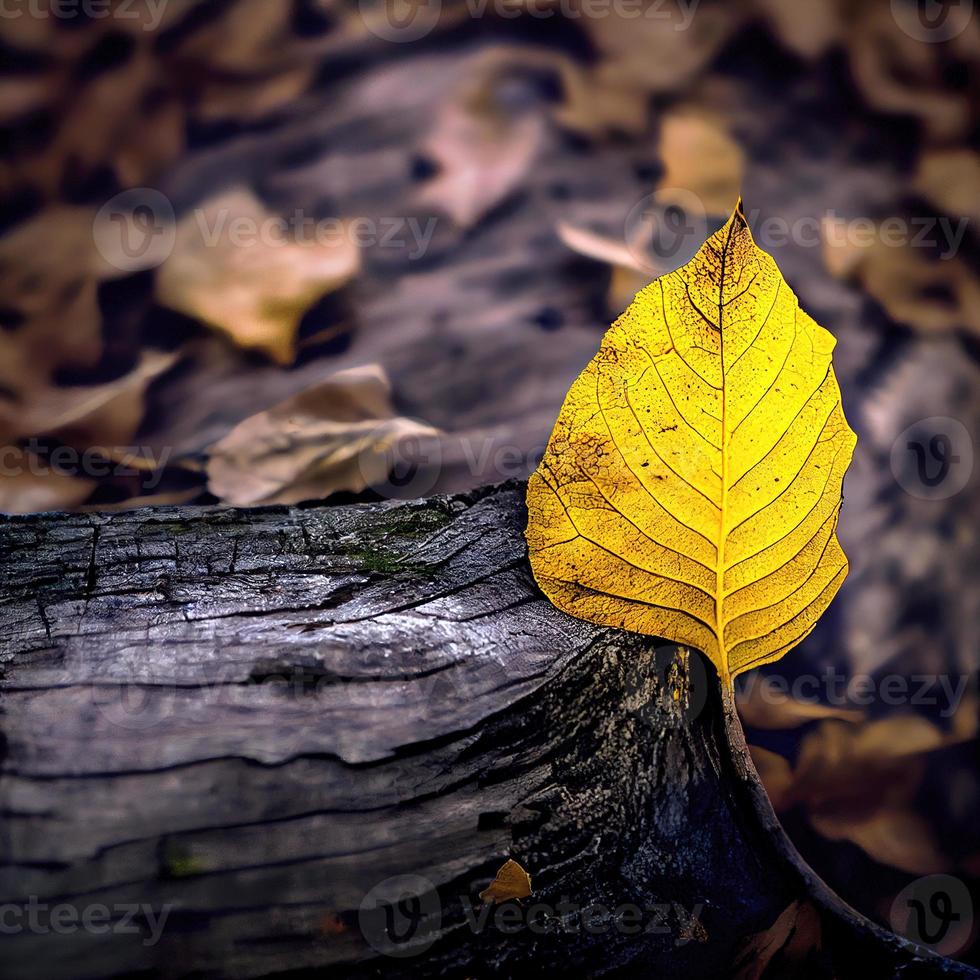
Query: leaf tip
(739,214)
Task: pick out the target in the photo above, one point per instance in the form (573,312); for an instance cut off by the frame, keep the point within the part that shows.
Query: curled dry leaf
(337,435)
(235,268)
(511,882)
(483,145)
(692,484)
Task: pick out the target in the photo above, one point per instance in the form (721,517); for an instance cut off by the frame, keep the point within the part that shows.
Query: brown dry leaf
(511,882)
(593,109)
(796,934)
(250,38)
(483,147)
(101,121)
(858,783)
(951,180)
(761,705)
(234,268)
(252,98)
(808,29)
(88,415)
(926,294)
(28,486)
(155,138)
(662,51)
(898,837)
(49,274)
(862,767)
(334,436)
(898,72)
(700,157)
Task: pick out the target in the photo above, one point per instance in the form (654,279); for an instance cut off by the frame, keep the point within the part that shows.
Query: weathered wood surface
(255,718)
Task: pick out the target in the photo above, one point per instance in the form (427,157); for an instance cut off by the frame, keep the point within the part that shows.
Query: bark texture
(254,719)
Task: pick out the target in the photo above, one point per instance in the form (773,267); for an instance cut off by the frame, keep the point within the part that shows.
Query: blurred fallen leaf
(700,157)
(49,274)
(26,488)
(645,54)
(511,882)
(593,109)
(776,775)
(896,72)
(950,179)
(88,415)
(788,942)
(897,837)
(929,294)
(628,275)
(336,435)
(483,145)
(808,29)
(234,268)
(858,783)
(762,704)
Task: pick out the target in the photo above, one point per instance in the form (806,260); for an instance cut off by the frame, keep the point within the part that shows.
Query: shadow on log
(276,741)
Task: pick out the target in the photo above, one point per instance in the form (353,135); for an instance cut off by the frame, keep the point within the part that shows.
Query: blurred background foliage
(441,208)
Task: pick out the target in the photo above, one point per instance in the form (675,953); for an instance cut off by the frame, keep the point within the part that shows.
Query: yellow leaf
(692,484)
(512,881)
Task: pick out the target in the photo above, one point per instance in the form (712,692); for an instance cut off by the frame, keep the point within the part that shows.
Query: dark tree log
(253,719)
